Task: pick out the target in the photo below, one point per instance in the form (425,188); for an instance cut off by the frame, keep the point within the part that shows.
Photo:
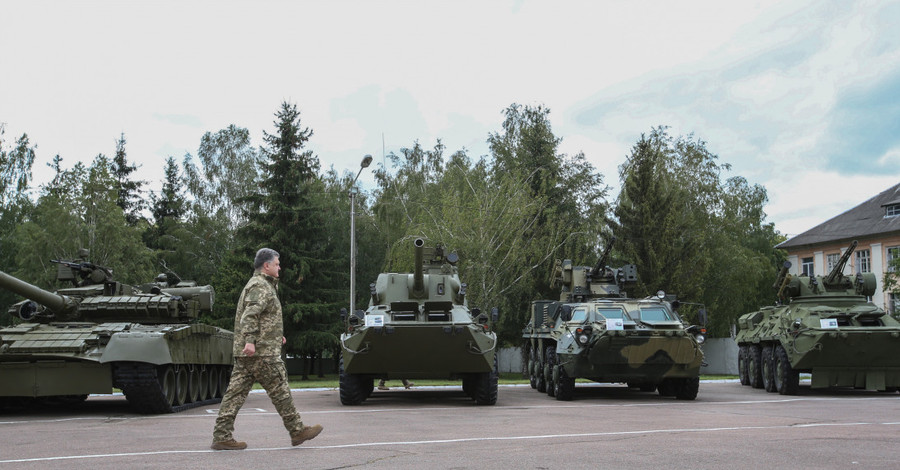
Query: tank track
(140,382)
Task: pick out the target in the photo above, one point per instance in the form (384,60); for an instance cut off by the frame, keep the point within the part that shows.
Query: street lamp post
(366,161)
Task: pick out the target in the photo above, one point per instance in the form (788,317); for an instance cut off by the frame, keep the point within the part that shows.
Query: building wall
(878,261)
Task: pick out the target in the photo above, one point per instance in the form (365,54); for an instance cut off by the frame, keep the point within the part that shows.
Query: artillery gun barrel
(601,263)
(419,274)
(839,266)
(55,302)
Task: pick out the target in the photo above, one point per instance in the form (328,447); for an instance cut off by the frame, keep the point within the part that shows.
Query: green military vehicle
(99,334)
(822,325)
(418,326)
(595,331)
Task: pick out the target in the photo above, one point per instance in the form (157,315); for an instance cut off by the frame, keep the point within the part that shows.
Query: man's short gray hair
(263,256)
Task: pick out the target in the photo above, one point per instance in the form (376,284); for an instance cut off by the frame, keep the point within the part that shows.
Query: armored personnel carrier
(595,331)
(99,334)
(418,326)
(822,325)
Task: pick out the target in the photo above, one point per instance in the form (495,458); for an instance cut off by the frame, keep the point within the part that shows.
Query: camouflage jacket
(258,318)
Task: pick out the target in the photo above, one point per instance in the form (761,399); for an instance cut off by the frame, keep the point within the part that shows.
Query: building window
(832,260)
(807,267)
(863,264)
(892,210)
(894,304)
(893,252)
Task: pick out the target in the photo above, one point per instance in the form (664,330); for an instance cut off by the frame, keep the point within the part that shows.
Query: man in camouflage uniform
(258,337)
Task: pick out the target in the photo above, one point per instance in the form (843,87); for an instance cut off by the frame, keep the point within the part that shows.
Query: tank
(824,326)
(99,334)
(418,326)
(596,332)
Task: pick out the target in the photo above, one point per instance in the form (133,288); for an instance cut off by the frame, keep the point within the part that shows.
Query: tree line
(691,229)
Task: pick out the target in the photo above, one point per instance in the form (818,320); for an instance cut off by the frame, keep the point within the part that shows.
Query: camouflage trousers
(270,372)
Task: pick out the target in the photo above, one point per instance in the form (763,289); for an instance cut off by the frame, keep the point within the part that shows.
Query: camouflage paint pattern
(258,317)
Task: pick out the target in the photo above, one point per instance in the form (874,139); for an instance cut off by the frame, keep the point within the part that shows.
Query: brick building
(874,223)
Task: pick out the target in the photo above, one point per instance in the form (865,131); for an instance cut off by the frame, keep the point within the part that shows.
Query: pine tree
(129,191)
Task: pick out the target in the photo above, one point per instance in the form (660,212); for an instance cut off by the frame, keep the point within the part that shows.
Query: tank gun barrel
(419,274)
(839,266)
(54,302)
(601,263)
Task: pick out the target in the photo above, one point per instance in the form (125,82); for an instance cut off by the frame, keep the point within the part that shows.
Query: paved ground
(728,426)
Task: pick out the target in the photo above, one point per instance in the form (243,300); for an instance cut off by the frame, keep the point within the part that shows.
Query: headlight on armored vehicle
(700,338)
(583,335)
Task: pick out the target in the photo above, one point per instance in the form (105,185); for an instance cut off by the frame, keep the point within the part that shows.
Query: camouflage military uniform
(257,321)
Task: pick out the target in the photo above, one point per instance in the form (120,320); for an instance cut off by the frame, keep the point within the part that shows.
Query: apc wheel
(193,394)
(532,362)
(548,370)
(687,389)
(754,366)
(352,387)
(787,380)
(486,386)
(212,379)
(540,382)
(168,384)
(565,385)
(667,388)
(768,368)
(743,369)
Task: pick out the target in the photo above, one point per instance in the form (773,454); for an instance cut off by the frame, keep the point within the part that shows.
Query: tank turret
(418,325)
(580,283)
(822,325)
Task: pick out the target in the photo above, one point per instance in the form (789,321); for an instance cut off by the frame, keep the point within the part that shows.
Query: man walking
(258,338)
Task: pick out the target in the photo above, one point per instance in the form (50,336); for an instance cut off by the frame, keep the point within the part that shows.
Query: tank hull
(419,352)
(64,359)
(643,359)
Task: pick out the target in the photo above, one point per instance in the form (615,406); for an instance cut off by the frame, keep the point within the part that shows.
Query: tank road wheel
(743,370)
(168,383)
(754,366)
(485,390)
(768,368)
(353,389)
(181,386)
(203,372)
(687,388)
(193,394)
(548,370)
(224,378)
(212,379)
(787,380)
(667,388)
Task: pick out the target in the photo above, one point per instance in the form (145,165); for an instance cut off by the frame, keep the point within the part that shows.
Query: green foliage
(78,209)
(15,173)
(129,197)
(692,234)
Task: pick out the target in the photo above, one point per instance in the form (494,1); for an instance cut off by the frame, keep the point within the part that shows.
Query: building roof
(863,221)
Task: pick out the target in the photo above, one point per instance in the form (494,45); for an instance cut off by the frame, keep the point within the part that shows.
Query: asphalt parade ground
(606,426)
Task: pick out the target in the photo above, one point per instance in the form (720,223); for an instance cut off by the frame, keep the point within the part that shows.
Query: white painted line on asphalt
(450,441)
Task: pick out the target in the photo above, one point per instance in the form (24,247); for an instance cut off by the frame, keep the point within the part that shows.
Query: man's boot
(305,434)
(230,444)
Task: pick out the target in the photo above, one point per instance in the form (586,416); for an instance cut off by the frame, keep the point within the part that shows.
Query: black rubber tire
(565,385)
(353,389)
(532,362)
(687,388)
(743,369)
(754,366)
(787,380)
(548,370)
(768,368)
(486,386)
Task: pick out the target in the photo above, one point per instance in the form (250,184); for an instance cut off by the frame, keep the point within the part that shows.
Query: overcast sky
(802,97)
